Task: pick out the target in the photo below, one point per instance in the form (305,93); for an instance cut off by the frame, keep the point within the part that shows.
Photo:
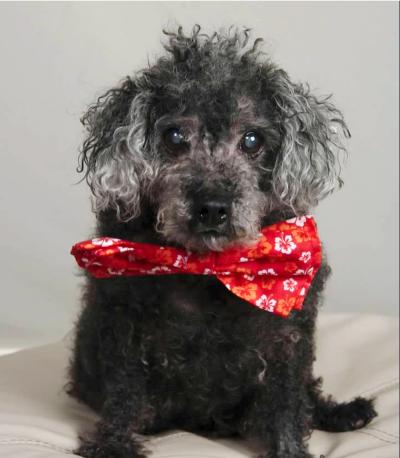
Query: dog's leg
(124,413)
(279,418)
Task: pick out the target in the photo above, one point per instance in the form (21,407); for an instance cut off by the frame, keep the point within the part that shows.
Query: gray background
(56,57)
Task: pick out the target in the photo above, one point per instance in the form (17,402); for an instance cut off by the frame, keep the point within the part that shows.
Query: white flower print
(269,271)
(156,269)
(290,285)
(207,271)
(103,241)
(305,256)
(89,262)
(266,303)
(111,271)
(121,249)
(308,271)
(243,259)
(284,244)
(248,277)
(298,221)
(302,291)
(180,261)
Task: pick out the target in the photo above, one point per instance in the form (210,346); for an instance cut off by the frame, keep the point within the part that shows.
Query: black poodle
(200,151)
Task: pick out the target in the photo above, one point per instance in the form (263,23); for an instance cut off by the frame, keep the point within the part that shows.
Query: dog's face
(214,140)
(211,166)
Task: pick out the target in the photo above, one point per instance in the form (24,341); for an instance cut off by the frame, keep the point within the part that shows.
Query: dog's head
(214,137)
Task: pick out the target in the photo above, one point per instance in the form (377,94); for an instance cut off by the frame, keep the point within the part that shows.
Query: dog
(200,151)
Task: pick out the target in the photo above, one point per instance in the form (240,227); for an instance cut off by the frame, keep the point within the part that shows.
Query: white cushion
(357,355)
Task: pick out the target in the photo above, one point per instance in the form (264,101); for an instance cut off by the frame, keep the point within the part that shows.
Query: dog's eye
(174,140)
(251,142)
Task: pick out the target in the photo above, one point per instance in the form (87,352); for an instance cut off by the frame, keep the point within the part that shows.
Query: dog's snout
(211,215)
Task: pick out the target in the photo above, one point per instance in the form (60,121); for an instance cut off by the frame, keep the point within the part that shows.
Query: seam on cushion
(377,437)
(384,432)
(379,387)
(22,441)
(374,392)
(169,436)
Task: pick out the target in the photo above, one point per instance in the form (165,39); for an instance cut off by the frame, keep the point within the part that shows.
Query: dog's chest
(205,337)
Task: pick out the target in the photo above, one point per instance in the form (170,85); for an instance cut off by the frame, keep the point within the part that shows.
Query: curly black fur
(180,351)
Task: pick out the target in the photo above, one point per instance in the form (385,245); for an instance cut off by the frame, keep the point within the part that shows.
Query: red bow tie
(274,274)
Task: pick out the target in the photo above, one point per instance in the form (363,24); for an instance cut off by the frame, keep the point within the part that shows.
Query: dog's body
(201,151)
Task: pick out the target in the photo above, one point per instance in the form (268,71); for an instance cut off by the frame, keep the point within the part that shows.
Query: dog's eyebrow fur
(190,123)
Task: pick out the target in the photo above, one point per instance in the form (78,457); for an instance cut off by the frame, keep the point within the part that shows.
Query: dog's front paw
(92,449)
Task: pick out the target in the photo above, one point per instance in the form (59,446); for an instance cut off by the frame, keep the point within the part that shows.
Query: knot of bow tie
(273,274)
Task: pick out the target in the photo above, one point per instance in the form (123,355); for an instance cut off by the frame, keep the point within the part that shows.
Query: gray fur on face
(209,172)
(215,89)
(122,172)
(308,167)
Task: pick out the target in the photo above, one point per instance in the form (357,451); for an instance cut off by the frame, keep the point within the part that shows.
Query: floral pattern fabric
(273,274)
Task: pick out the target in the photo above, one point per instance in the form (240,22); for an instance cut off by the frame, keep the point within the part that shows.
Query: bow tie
(273,274)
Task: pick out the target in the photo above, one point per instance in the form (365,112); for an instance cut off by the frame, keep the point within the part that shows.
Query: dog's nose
(212,215)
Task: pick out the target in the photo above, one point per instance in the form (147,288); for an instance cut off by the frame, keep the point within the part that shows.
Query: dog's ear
(112,155)
(308,163)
